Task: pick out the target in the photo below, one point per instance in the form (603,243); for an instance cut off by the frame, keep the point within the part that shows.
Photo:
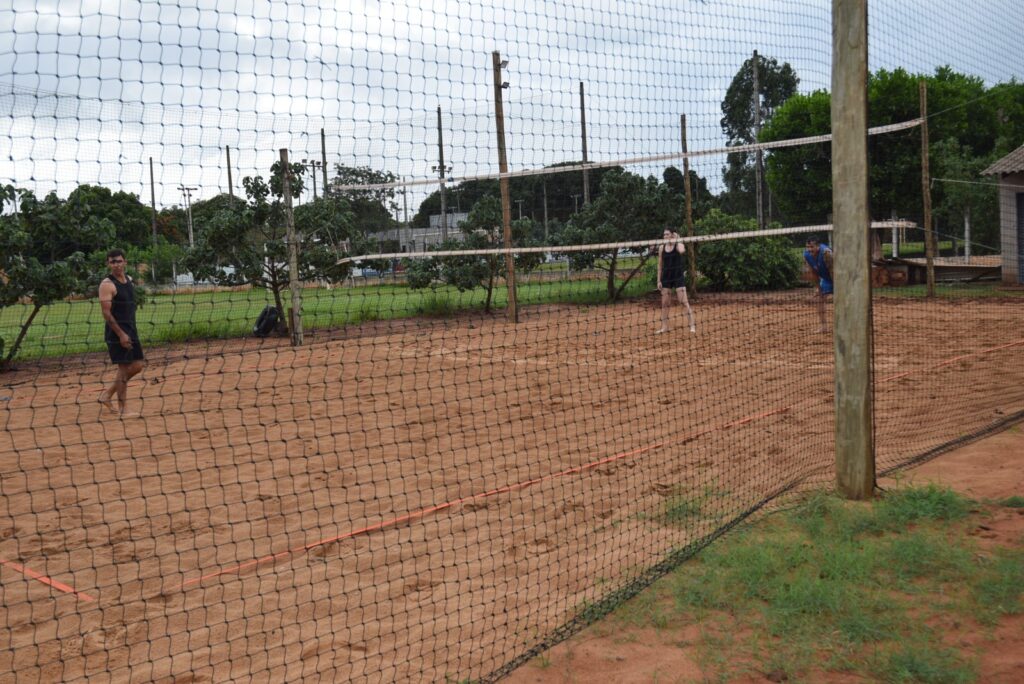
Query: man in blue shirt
(819,258)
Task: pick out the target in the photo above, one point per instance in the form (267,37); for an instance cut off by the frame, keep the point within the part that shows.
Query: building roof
(1011,163)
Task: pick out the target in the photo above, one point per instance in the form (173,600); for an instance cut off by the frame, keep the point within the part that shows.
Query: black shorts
(673,281)
(119,354)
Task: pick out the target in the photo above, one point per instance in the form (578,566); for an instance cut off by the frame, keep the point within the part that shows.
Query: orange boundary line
(899,376)
(29,572)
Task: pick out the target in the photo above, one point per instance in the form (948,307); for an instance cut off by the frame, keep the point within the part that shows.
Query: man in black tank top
(117,301)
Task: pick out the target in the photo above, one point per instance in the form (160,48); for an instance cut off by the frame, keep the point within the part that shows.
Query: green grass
(77,326)
(838,586)
(951,291)
(1013,502)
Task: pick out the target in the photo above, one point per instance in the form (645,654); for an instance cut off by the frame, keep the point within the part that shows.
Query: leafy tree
(130,219)
(34,262)
(776,84)
(700,195)
(956,202)
(765,263)
(372,210)
(629,208)
(481,230)
(248,246)
(800,177)
(203,211)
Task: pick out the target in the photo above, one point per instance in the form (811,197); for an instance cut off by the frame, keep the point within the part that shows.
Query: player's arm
(660,252)
(828,260)
(107,292)
(814,272)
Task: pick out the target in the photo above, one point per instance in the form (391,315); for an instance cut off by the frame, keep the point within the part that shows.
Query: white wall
(1010,185)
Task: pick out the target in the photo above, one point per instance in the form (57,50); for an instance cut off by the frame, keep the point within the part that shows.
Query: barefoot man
(819,259)
(117,300)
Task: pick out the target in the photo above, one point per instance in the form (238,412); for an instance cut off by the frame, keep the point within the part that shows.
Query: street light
(187,192)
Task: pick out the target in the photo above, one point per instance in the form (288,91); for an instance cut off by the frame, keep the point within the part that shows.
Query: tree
(800,177)
(248,245)
(372,210)
(765,263)
(776,84)
(957,202)
(34,262)
(700,195)
(629,208)
(481,230)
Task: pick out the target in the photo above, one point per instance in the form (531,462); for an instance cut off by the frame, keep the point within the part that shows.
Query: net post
(231,184)
(323,159)
(583,134)
(295,319)
(506,203)
(758,156)
(855,459)
(691,277)
(926,192)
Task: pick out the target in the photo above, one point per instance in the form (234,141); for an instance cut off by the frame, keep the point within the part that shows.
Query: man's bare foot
(660,331)
(105,402)
(693,328)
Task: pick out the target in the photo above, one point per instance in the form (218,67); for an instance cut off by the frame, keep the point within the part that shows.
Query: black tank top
(122,308)
(671,263)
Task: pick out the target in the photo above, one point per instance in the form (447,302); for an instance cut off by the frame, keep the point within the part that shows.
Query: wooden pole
(295,324)
(926,192)
(152,206)
(692,251)
(506,204)
(758,156)
(441,172)
(855,458)
(583,133)
(323,159)
(231,184)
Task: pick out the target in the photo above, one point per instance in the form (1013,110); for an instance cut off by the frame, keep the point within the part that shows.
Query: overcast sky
(90,89)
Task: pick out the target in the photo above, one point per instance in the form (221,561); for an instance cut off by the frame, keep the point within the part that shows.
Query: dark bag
(267,322)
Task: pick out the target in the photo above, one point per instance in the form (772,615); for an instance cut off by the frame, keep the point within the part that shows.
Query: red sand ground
(990,469)
(422,499)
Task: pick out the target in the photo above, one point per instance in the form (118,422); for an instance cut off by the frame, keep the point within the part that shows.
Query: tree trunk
(21,336)
(490,290)
(612,293)
(632,273)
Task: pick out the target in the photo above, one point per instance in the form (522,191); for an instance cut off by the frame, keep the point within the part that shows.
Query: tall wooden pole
(926,192)
(691,276)
(323,159)
(152,206)
(758,157)
(855,456)
(506,204)
(442,170)
(231,184)
(583,132)
(295,324)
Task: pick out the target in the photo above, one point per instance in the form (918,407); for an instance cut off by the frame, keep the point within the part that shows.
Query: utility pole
(295,324)
(855,455)
(520,203)
(442,171)
(575,204)
(152,205)
(187,192)
(231,185)
(323,158)
(691,276)
(506,209)
(583,131)
(926,192)
(758,156)
(544,185)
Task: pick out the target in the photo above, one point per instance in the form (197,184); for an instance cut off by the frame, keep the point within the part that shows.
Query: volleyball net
(426,387)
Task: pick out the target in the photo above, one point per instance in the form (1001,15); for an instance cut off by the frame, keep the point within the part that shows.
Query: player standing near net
(819,258)
(672,276)
(117,301)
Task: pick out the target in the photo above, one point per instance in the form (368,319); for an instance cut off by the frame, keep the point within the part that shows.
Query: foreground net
(424,490)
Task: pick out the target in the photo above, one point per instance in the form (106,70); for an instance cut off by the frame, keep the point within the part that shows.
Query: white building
(1010,172)
(421,239)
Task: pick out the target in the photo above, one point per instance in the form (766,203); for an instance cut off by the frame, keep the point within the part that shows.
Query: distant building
(413,239)
(1010,172)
